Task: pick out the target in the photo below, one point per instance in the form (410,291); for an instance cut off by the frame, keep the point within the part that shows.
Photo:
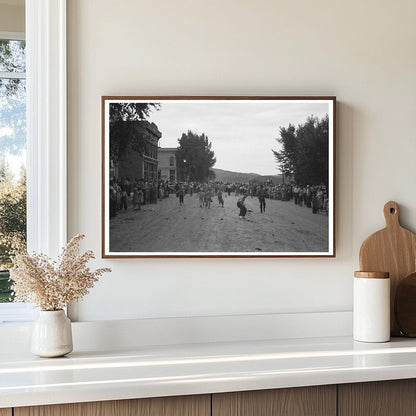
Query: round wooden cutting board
(392,250)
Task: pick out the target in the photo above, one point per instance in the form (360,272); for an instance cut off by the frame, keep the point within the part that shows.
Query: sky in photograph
(242,133)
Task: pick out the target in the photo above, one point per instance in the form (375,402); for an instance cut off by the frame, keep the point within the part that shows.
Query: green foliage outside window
(12,155)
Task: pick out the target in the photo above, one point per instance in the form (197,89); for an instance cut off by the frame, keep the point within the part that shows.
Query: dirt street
(169,227)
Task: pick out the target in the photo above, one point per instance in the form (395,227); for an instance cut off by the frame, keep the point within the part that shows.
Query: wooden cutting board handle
(393,250)
(391,214)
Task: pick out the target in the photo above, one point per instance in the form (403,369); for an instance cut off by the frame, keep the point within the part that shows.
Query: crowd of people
(132,194)
(125,192)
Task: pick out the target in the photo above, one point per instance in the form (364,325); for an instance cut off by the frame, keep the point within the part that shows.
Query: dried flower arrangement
(53,285)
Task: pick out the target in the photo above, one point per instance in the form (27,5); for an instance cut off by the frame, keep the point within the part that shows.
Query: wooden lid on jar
(372,275)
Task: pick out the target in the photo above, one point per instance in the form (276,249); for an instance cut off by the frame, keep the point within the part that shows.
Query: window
(12,165)
(12,154)
(172,175)
(46,136)
(171,161)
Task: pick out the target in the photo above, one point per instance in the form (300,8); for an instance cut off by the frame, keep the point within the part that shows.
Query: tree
(286,159)
(304,151)
(12,142)
(195,158)
(12,56)
(312,156)
(122,131)
(12,213)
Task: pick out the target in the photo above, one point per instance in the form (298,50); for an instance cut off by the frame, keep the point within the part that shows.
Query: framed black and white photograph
(218,176)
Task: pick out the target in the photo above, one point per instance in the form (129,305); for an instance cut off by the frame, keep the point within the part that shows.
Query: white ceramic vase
(52,334)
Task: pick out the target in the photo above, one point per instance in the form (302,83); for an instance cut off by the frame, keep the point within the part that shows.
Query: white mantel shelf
(151,371)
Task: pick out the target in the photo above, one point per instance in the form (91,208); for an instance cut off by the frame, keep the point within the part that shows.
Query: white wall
(12,18)
(361,51)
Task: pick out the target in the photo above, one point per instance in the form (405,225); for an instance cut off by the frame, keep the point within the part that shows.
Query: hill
(229,176)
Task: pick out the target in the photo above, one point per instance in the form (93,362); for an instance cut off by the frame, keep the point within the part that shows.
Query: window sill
(16,313)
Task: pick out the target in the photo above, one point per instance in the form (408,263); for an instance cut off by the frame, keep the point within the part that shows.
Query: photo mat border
(105,252)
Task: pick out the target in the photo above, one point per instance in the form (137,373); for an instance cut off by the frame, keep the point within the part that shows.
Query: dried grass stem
(53,285)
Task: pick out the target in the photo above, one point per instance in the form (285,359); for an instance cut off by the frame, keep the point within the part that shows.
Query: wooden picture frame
(189,176)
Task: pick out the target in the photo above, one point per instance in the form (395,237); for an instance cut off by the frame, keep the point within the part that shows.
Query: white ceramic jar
(52,334)
(371,309)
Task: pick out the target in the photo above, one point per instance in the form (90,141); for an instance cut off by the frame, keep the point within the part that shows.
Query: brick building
(140,161)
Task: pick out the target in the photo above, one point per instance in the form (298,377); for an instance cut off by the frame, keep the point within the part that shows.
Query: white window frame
(46,123)
(14,312)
